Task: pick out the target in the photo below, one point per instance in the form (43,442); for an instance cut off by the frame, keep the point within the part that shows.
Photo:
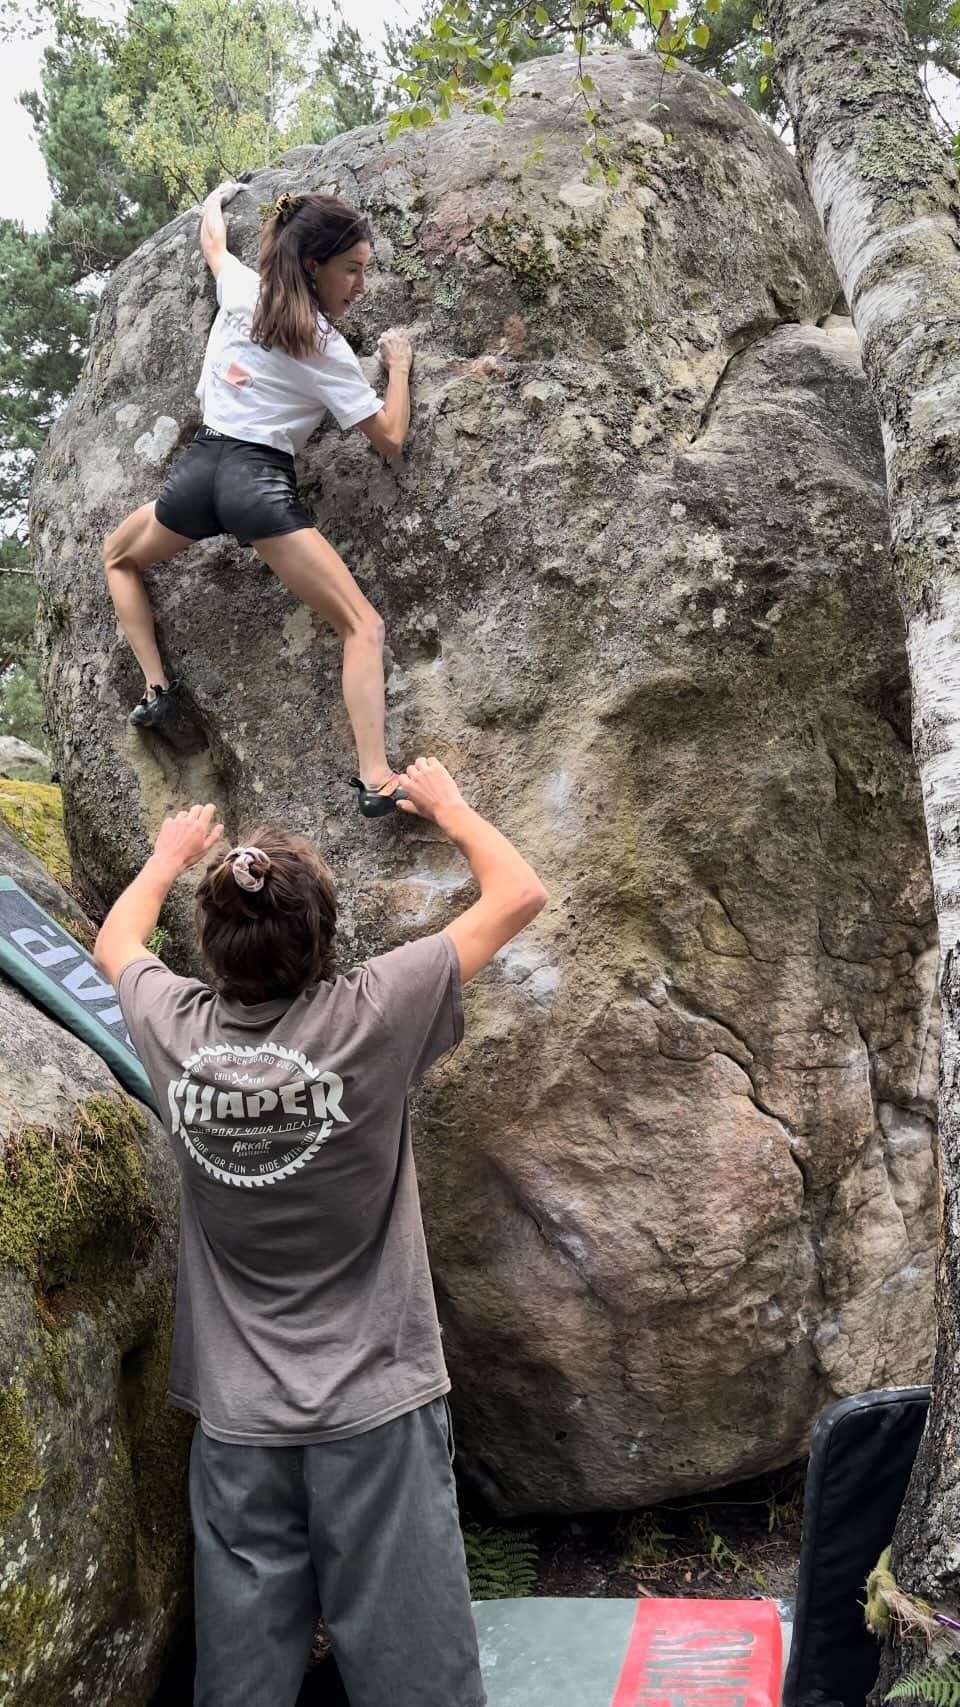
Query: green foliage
(18,610)
(156,941)
(724,1558)
(204,90)
(350,75)
(937,1684)
(467,54)
(101,211)
(21,708)
(645,1545)
(43,330)
(736,54)
(502,1563)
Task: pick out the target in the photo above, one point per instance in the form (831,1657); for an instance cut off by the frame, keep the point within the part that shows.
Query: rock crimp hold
(633,570)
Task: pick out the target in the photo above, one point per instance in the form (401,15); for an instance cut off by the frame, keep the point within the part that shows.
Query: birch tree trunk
(886,191)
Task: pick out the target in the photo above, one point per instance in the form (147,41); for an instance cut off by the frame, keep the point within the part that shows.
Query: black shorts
(223,485)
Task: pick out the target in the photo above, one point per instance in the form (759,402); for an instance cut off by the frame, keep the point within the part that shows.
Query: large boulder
(633,568)
(17,757)
(94,1543)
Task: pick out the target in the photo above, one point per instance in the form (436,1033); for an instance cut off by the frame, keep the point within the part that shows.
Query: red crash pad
(702,1653)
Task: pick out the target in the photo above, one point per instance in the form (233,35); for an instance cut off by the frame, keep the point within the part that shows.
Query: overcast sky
(24,193)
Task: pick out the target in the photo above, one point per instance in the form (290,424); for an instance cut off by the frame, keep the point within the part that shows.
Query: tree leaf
(701,35)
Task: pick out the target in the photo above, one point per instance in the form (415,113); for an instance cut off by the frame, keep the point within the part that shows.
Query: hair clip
(241,860)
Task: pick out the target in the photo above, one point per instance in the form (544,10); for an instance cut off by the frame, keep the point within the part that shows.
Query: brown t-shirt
(305,1309)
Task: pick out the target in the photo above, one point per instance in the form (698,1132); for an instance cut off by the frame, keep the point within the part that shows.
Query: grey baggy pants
(365,1528)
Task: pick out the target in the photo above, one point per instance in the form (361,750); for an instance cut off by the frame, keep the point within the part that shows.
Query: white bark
(885,188)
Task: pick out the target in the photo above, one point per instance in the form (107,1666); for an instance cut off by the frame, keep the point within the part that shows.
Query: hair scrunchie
(285,206)
(241,860)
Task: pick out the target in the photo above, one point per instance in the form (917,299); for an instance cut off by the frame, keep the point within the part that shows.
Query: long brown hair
(301,228)
(267,916)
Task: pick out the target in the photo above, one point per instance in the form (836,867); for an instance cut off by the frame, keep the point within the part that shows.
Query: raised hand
(186,839)
(394,349)
(430,789)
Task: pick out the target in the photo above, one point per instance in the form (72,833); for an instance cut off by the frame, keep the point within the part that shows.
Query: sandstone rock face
(677,1180)
(93,1521)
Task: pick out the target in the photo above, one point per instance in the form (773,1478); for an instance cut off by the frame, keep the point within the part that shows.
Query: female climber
(274,364)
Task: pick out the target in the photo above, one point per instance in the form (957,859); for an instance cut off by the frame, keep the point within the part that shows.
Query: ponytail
(299,229)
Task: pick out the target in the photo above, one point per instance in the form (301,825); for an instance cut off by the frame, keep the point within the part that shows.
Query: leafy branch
(457,62)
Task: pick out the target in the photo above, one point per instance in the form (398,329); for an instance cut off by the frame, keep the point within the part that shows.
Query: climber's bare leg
(313,571)
(127,552)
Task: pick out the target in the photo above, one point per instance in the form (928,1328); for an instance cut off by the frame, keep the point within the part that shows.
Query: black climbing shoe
(162,708)
(371,803)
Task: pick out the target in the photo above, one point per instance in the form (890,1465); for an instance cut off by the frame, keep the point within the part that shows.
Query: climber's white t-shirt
(265,396)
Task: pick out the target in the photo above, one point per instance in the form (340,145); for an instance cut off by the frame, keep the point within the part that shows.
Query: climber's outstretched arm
(213,231)
(511,894)
(387,429)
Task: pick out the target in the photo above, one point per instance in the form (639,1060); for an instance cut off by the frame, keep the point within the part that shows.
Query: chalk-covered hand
(226,191)
(430,790)
(395,350)
(185,840)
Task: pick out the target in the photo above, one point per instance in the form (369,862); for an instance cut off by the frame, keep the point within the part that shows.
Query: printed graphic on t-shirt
(252,1116)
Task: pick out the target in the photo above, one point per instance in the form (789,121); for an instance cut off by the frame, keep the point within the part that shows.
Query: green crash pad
(625,1653)
(59,975)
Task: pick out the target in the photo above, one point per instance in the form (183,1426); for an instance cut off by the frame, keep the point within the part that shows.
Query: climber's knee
(113,555)
(366,626)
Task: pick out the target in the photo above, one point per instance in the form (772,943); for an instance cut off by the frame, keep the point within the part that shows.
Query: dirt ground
(741,1543)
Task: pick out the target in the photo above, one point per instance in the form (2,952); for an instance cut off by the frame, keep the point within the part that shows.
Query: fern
(938,1685)
(502,1563)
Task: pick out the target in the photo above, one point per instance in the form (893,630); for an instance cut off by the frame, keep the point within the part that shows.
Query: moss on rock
(19,1471)
(34,812)
(523,251)
(31,1611)
(75,1204)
